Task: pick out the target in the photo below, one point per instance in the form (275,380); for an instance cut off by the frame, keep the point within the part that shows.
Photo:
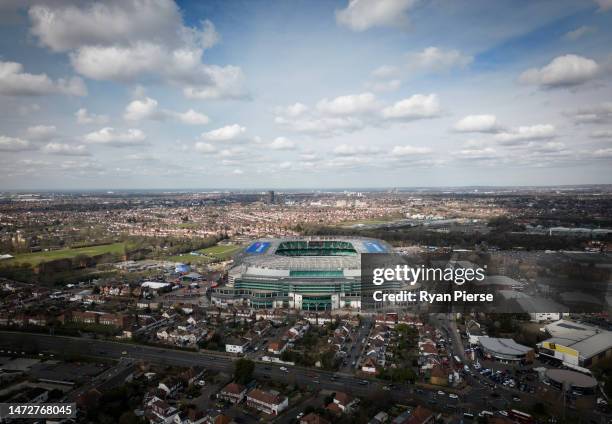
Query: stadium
(313,274)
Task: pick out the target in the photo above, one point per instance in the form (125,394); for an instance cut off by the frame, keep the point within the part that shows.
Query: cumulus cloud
(354,112)
(132,39)
(478,123)
(579,32)
(12,144)
(142,109)
(85,118)
(282,143)
(191,117)
(64,149)
(526,133)
(148,108)
(111,137)
(353,104)
(563,71)
(360,15)
(418,106)
(227,133)
(435,59)
(41,132)
(386,71)
(15,82)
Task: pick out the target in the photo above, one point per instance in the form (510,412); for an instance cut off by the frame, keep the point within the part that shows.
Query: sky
(253,94)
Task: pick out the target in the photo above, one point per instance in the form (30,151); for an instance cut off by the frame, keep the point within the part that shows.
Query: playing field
(220,251)
(38,257)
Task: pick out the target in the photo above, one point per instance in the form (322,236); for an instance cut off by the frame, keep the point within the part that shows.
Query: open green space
(221,251)
(38,257)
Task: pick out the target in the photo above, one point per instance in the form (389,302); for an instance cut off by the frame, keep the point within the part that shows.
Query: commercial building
(576,345)
(268,402)
(314,274)
(505,349)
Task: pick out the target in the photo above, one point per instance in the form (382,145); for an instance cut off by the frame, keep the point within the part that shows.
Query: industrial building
(505,349)
(576,345)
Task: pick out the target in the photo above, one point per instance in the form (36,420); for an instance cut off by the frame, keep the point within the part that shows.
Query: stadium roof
(503,346)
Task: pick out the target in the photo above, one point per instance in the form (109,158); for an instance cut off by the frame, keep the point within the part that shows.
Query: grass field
(38,257)
(221,251)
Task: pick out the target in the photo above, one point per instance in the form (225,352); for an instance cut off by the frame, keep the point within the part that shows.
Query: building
(268,402)
(576,345)
(313,274)
(505,349)
(238,346)
(233,393)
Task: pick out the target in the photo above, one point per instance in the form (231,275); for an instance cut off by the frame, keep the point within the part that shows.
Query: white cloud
(109,136)
(202,147)
(434,59)
(191,117)
(282,143)
(41,132)
(210,36)
(142,109)
(564,71)
(85,118)
(360,15)
(478,123)
(526,133)
(237,172)
(401,151)
(477,154)
(15,82)
(285,165)
(224,82)
(352,104)
(132,39)
(418,106)
(295,110)
(579,32)
(11,144)
(65,149)
(227,133)
(148,108)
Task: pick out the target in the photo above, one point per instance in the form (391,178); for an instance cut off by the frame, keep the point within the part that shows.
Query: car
(284,369)
(363,382)
(516,398)
(441,393)
(453,396)
(124,352)
(502,413)
(386,388)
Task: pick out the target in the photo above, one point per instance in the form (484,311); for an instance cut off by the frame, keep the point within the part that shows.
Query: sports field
(38,257)
(221,251)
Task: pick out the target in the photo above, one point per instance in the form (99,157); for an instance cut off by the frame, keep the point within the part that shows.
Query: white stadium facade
(314,274)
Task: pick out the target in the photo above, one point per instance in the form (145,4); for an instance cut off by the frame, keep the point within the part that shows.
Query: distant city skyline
(146,94)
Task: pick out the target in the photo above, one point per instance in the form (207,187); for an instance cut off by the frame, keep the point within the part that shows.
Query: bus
(520,417)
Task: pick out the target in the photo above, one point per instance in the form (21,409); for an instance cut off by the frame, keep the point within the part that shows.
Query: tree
(243,370)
